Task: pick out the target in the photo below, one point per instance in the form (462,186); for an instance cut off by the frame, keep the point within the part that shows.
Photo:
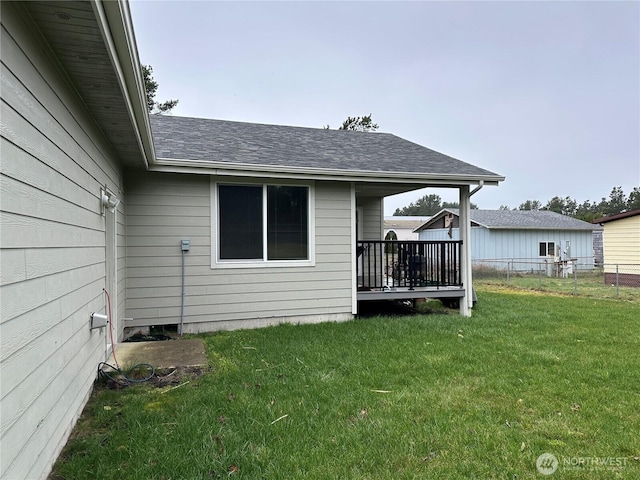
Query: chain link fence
(577,276)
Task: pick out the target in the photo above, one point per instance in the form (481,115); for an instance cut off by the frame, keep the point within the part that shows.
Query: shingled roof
(220,144)
(619,216)
(517,220)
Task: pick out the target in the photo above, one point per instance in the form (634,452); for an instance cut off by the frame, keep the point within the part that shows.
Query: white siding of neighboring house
(53,163)
(402,233)
(502,246)
(165,208)
(403,226)
(621,245)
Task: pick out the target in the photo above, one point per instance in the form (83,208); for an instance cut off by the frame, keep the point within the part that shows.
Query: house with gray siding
(522,240)
(73,119)
(106,209)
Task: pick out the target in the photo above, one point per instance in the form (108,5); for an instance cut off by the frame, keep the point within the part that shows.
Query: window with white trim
(263,223)
(547,249)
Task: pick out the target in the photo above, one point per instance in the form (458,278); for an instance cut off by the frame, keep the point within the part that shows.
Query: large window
(240,222)
(258,223)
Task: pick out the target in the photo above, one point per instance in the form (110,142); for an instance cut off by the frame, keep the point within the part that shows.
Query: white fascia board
(441,213)
(250,170)
(551,229)
(116,26)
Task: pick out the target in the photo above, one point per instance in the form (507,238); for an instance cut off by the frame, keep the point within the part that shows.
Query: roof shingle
(519,219)
(237,143)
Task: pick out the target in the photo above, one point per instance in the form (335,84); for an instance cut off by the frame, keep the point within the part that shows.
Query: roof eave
(242,170)
(619,216)
(115,23)
(510,227)
(587,227)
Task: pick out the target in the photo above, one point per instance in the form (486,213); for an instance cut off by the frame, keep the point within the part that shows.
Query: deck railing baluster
(408,263)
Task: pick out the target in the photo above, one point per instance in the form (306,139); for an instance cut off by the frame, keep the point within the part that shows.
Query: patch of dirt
(176,376)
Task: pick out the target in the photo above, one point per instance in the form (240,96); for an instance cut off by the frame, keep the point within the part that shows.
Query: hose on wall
(115,373)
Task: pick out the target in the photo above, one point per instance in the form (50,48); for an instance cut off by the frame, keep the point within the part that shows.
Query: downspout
(182,299)
(478,188)
(465,235)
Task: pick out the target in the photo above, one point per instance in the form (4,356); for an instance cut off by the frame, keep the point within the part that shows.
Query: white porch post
(465,252)
(354,256)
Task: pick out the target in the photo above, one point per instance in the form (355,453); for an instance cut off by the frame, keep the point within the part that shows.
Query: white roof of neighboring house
(405,222)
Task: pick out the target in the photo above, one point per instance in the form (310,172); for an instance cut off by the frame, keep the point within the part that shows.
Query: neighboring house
(621,248)
(519,239)
(95,210)
(402,228)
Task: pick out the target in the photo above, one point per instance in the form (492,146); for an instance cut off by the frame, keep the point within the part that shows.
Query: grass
(587,284)
(426,396)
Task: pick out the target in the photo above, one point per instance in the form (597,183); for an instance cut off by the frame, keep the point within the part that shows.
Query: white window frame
(546,246)
(216,262)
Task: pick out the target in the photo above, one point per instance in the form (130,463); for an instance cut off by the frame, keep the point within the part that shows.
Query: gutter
(253,170)
(114,21)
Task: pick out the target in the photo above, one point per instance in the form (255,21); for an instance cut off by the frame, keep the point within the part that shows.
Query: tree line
(587,211)
(427,206)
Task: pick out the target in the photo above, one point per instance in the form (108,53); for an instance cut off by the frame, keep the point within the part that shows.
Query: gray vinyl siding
(165,208)
(519,247)
(53,162)
(372,229)
(372,218)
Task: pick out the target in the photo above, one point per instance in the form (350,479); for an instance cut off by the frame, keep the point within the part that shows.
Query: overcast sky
(545,93)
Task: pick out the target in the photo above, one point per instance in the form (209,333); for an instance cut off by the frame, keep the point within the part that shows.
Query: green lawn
(429,396)
(586,284)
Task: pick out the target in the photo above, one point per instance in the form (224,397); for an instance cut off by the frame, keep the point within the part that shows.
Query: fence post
(539,276)
(617,282)
(575,280)
(508,270)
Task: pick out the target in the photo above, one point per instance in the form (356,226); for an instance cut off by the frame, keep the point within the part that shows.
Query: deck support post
(466,302)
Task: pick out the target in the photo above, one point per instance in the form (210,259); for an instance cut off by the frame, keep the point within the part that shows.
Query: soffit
(73,33)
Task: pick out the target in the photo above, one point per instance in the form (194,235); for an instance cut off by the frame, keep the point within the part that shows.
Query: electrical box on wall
(185,245)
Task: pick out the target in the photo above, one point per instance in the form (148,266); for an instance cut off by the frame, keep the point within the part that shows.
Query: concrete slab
(161,354)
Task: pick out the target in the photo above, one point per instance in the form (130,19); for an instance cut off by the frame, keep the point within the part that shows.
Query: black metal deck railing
(410,263)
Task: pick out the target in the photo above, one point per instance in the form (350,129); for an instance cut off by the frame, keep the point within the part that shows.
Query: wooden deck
(402,293)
